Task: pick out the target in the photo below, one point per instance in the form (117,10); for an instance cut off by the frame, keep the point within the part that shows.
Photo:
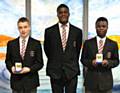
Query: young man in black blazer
(24,60)
(63,57)
(99,55)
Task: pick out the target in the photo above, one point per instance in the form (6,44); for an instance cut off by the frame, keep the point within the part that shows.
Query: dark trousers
(98,91)
(25,91)
(63,84)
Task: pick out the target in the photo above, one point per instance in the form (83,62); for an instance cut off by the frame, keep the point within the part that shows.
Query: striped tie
(23,49)
(100,48)
(64,37)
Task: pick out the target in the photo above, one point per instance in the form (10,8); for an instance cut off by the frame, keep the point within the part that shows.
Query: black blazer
(59,60)
(33,60)
(99,77)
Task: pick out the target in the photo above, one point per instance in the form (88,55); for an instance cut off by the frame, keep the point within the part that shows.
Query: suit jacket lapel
(28,46)
(69,37)
(58,36)
(94,46)
(17,48)
(105,46)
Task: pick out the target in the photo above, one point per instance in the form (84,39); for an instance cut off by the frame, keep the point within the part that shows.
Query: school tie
(64,37)
(100,48)
(23,49)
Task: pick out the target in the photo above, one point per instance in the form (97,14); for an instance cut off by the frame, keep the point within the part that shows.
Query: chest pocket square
(32,53)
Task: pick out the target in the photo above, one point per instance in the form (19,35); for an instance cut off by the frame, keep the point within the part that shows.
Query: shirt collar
(60,25)
(26,39)
(98,38)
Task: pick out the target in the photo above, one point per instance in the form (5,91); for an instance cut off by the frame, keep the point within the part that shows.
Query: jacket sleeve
(85,56)
(8,59)
(46,43)
(79,42)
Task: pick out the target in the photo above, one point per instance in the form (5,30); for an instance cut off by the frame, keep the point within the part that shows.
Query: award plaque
(18,66)
(99,58)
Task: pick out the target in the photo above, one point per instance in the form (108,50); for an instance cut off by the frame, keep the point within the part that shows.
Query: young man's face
(24,29)
(63,15)
(101,28)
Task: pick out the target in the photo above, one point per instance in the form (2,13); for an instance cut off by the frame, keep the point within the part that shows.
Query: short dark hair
(61,6)
(101,19)
(23,19)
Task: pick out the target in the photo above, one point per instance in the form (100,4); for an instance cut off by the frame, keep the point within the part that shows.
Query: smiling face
(101,28)
(63,15)
(24,29)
